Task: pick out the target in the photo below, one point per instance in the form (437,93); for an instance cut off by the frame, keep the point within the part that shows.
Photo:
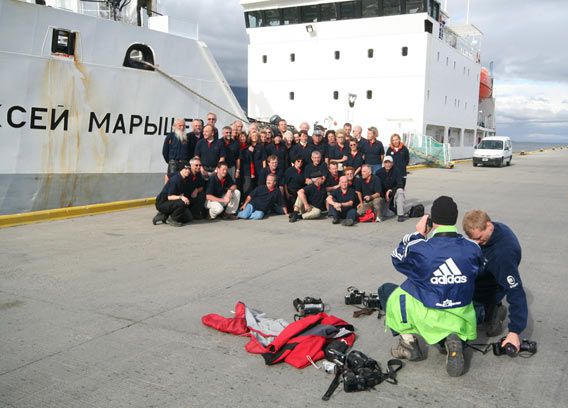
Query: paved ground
(105,311)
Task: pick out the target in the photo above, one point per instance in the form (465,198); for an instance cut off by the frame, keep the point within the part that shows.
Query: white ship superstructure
(393,64)
(81,120)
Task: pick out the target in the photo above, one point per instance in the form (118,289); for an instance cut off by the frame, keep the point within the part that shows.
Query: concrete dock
(105,311)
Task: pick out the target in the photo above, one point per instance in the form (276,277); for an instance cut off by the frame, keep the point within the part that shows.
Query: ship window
(309,14)
(404,51)
(291,95)
(63,42)
(370,8)
(438,57)
(292,57)
(414,6)
(428,95)
(370,53)
(447,60)
(369,94)
(136,55)
(454,65)
(350,9)
(337,55)
(254,19)
(290,15)
(435,13)
(272,17)
(464,71)
(391,7)
(328,12)
(264,59)
(335,95)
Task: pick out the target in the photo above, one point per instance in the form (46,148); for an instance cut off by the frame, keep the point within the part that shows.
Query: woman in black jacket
(400,156)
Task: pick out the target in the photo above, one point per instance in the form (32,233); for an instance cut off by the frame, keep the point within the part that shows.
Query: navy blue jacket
(209,153)
(316,196)
(279,151)
(293,179)
(401,158)
(354,161)
(176,185)
(373,152)
(261,178)
(311,168)
(175,149)
(232,152)
(500,276)
(340,197)
(262,199)
(390,180)
(305,152)
(441,270)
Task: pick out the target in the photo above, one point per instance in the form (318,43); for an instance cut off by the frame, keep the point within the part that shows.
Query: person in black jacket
(392,195)
(262,200)
(173,201)
(499,277)
(400,155)
(176,148)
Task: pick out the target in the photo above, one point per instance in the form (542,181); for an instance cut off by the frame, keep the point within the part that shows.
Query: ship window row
(465,70)
(346,10)
(337,55)
(335,95)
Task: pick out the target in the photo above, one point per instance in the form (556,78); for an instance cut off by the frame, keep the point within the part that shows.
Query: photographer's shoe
(348,222)
(335,221)
(454,360)
(494,324)
(407,350)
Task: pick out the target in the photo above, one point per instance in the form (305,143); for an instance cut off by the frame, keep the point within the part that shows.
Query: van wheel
(474,164)
(509,162)
(502,162)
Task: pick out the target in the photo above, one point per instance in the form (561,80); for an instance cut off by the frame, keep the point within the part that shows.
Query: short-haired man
(278,149)
(173,200)
(332,179)
(294,180)
(499,277)
(435,300)
(196,189)
(210,151)
(195,135)
(354,183)
(176,148)
(222,194)
(316,165)
(392,194)
(347,129)
(373,150)
(282,127)
(318,144)
(304,127)
(358,136)
(262,200)
(311,199)
(232,151)
(341,204)
(370,190)
(273,167)
(303,149)
(212,120)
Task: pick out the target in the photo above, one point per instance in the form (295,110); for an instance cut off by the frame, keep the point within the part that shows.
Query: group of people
(232,174)
(454,284)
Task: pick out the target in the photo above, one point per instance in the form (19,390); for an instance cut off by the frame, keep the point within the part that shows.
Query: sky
(525,39)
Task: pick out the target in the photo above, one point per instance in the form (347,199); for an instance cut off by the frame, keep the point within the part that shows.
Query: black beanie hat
(444,211)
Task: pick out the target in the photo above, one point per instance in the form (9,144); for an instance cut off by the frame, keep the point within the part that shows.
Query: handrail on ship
(187,88)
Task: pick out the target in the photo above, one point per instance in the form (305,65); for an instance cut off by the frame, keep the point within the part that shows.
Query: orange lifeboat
(485,84)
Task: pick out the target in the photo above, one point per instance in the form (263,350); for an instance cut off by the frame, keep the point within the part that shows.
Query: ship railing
(426,149)
(464,46)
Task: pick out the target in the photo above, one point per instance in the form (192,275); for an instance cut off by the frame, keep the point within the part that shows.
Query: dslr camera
(354,296)
(371,301)
(308,306)
(527,347)
(363,372)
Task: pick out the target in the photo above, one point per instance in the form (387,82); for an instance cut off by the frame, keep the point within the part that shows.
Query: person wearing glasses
(354,157)
(212,120)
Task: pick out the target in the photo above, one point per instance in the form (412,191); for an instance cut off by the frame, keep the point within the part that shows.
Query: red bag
(369,216)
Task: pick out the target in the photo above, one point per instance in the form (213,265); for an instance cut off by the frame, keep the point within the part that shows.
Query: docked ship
(85,100)
(398,65)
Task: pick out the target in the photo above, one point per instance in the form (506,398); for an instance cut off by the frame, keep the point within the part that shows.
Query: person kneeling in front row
(311,199)
(435,301)
(262,200)
(341,203)
(222,194)
(173,201)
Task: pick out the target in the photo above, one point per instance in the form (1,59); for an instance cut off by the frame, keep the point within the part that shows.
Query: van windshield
(491,144)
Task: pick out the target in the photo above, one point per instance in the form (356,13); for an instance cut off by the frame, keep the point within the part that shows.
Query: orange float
(485,84)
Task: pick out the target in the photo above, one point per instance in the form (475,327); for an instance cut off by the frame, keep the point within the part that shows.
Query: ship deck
(105,310)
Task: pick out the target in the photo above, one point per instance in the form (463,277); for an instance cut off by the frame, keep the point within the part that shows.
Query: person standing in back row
(401,156)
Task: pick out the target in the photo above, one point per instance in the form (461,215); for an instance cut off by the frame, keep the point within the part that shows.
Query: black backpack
(416,211)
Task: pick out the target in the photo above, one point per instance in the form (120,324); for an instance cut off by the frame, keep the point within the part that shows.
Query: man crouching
(435,301)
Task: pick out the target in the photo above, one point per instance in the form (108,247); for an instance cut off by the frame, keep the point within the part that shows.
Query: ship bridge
(394,64)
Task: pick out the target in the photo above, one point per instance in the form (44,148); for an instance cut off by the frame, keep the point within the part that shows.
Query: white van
(493,150)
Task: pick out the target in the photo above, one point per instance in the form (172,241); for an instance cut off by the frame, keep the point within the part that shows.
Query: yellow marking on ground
(33,217)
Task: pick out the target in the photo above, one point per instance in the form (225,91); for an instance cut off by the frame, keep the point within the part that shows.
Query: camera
(353,296)
(308,306)
(527,346)
(336,352)
(363,372)
(371,301)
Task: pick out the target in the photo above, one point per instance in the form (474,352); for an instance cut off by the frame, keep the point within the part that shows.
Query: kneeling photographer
(435,301)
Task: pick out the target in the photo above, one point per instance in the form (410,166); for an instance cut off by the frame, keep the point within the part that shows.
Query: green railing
(428,150)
